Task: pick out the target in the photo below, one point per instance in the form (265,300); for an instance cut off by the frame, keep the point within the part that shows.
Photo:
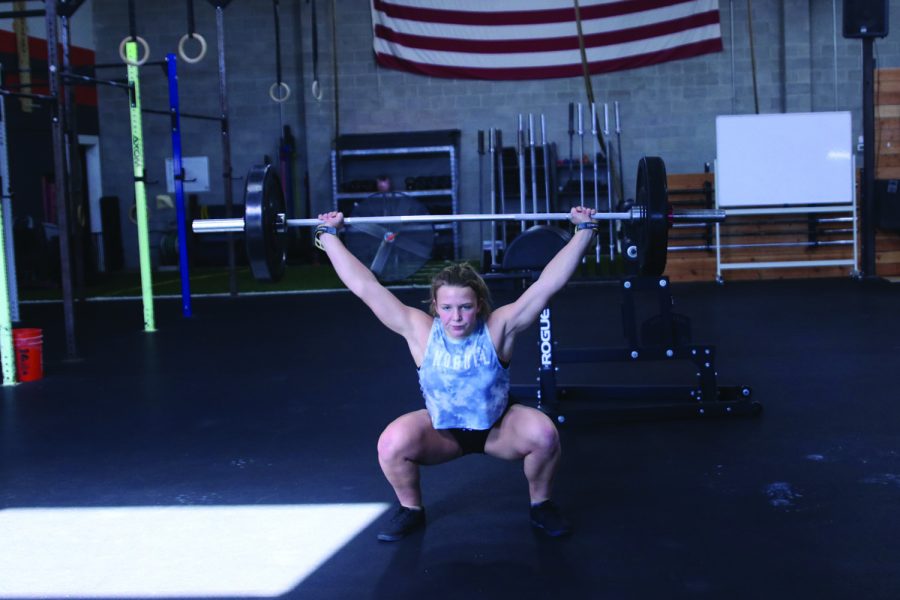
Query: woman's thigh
(413,436)
(522,430)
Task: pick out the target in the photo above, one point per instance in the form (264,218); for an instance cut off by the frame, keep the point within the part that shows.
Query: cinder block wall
(803,63)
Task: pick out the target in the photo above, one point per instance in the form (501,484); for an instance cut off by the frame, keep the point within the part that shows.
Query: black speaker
(113,254)
(865,18)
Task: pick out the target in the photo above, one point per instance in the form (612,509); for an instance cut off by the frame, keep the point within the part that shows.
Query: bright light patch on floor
(179,551)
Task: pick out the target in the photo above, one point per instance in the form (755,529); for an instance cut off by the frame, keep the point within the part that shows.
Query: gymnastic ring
(280,85)
(184,56)
(316,89)
(140,41)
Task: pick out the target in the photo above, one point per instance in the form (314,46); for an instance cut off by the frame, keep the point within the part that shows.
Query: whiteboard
(196,174)
(784,159)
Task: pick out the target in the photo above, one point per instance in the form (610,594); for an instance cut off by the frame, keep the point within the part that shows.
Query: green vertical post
(140,192)
(7,353)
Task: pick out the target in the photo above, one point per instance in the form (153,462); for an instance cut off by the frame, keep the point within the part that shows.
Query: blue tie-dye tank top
(463,382)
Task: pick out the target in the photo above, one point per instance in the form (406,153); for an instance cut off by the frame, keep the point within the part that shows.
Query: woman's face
(457,308)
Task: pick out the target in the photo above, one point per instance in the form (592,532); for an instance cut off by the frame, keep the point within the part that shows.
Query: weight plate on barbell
(391,251)
(264,229)
(652,231)
(532,249)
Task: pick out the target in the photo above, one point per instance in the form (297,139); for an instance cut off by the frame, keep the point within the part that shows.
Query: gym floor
(232,455)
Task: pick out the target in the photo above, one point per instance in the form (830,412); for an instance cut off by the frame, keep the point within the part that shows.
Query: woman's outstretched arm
(512,318)
(395,315)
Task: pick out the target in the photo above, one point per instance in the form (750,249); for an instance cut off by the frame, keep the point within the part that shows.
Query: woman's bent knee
(403,438)
(545,438)
(393,443)
(550,439)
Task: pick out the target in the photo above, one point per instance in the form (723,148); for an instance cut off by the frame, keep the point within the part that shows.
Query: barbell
(645,221)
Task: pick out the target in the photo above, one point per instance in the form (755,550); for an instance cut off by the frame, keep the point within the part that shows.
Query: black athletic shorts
(472,441)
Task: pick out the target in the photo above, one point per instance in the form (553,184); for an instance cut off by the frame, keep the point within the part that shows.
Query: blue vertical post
(178,176)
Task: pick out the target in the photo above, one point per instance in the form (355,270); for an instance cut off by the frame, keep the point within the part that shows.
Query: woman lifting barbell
(462,351)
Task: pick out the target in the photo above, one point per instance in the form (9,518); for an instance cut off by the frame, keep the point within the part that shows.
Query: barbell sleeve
(708,215)
(236,225)
(217,225)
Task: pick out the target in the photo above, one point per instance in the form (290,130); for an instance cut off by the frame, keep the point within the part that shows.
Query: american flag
(538,39)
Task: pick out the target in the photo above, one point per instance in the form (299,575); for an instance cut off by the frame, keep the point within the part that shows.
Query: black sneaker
(404,522)
(548,518)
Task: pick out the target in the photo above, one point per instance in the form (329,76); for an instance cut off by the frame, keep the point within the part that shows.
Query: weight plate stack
(650,234)
(264,228)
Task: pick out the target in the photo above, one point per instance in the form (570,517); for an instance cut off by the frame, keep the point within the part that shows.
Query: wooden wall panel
(887,123)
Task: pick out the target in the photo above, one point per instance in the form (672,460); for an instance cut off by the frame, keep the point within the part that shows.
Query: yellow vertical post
(140,191)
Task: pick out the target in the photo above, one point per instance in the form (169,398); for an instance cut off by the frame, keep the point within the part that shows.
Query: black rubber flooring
(280,400)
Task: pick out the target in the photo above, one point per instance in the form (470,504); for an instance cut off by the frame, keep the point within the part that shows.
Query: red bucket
(29,345)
